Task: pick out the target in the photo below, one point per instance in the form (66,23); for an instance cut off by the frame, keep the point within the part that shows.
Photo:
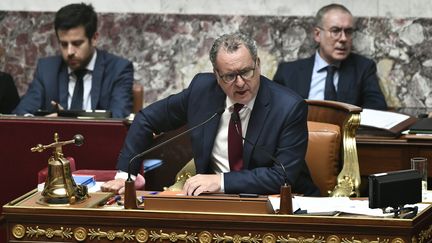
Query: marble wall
(169,49)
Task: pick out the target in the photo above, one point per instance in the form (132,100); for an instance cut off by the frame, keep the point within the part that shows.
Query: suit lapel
(210,130)
(346,77)
(305,75)
(63,86)
(97,76)
(256,122)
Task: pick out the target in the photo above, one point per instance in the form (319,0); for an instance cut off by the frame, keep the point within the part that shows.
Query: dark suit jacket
(112,81)
(9,97)
(277,123)
(358,82)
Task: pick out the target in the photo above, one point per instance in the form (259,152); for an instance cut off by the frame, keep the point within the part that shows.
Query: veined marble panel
(168,50)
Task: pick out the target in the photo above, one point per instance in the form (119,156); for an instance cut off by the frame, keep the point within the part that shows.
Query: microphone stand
(130,200)
(285,190)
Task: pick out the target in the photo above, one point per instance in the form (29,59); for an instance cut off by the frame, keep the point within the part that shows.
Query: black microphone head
(78,139)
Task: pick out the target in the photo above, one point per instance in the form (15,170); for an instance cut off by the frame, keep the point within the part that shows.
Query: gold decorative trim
(397,240)
(18,231)
(348,180)
(236,238)
(111,234)
(141,235)
(425,235)
(353,240)
(80,234)
(333,239)
(204,237)
(49,233)
(269,238)
(300,239)
(173,237)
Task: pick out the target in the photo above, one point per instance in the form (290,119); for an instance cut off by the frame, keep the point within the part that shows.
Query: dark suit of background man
(355,80)
(107,79)
(272,117)
(8,94)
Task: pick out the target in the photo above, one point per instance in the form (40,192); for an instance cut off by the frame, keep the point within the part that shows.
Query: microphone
(130,194)
(285,191)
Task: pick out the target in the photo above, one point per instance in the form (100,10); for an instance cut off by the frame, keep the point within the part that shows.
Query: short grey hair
(231,43)
(320,14)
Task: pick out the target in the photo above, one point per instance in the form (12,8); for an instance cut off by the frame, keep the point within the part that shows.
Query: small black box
(394,189)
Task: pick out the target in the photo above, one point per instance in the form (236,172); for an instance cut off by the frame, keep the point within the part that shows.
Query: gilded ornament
(111,235)
(205,237)
(425,235)
(301,239)
(18,231)
(49,233)
(269,238)
(333,239)
(397,240)
(80,234)
(141,235)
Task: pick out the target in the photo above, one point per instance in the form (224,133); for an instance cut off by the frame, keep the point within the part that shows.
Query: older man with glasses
(272,118)
(334,72)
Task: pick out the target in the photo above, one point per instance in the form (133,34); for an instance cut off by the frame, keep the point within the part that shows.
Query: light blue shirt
(319,73)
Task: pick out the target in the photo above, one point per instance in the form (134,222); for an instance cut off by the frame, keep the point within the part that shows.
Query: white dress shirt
(316,91)
(87,84)
(219,155)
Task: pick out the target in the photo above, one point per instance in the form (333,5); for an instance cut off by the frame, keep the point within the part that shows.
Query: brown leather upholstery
(323,153)
(138,96)
(325,156)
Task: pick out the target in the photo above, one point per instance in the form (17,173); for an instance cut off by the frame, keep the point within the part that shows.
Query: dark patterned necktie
(235,143)
(77,97)
(330,90)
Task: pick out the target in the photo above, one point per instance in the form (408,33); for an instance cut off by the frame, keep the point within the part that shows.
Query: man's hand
(202,183)
(117,186)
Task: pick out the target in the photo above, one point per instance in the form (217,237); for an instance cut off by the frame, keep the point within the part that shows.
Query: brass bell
(60,187)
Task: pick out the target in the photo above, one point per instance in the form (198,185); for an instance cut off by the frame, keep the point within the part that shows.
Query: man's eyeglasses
(336,32)
(245,74)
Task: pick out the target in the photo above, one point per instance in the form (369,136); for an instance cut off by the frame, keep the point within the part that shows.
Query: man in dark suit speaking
(334,73)
(271,117)
(82,78)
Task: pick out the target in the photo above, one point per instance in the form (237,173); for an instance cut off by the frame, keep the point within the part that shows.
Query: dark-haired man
(334,72)
(82,77)
(272,118)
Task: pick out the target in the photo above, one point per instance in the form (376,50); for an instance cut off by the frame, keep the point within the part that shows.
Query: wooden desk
(386,154)
(19,166)
(66,224)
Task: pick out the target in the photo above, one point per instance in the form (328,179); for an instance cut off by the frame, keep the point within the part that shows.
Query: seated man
(334,73)
(270,116)
(8,94)
(82,78)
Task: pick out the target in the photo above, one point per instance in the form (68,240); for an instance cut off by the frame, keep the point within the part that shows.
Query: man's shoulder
(280,91)
(298,62)
(50,60)
(111,58)
(358,58)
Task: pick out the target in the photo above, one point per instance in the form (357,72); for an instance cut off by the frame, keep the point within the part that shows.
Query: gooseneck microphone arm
(130,193)
(218,112)
(236,119)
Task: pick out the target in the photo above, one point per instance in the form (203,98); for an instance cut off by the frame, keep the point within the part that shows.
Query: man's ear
(95,39)
(317,34)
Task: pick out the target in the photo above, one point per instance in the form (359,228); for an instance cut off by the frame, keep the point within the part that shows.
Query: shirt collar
(321,64)
(230,104)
